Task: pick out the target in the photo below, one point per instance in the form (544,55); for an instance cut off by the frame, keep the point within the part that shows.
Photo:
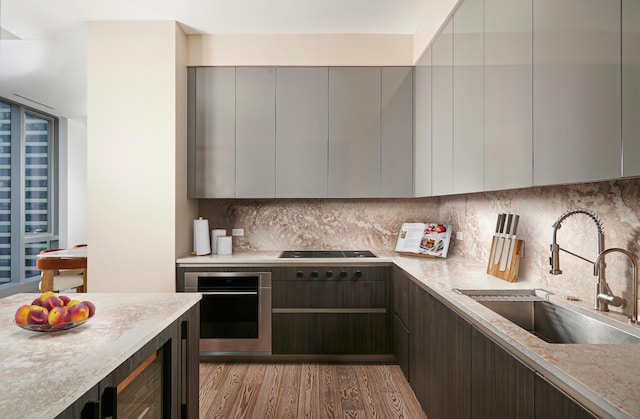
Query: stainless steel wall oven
(235,311)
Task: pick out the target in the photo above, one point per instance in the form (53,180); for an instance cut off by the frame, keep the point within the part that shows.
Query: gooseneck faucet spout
(600,286)
(634,262)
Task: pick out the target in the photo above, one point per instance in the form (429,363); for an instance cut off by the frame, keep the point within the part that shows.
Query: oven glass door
(229,308)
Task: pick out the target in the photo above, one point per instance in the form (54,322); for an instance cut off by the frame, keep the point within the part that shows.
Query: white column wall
(131,211)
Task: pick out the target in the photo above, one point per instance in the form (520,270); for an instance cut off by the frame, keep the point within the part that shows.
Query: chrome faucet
(602,293)
(634,262)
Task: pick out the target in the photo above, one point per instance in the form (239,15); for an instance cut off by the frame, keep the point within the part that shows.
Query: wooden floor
(305,390)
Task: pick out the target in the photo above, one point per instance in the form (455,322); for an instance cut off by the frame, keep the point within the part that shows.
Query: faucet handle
(554,260)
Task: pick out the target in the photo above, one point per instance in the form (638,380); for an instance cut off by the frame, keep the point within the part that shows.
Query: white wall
(186,209)
(132,127)
(301,49)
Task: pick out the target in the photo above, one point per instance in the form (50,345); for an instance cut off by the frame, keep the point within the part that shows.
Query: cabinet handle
(91,410)
(343,274)
(109,402)
(299,274)
(358,274)
(314,274)
(328,274)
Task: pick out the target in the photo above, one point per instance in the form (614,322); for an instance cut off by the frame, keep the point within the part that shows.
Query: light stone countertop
(44,373)
(604,378)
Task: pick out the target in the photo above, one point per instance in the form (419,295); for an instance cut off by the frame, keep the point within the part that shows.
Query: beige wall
(301,50)
(132,128)
(437,14)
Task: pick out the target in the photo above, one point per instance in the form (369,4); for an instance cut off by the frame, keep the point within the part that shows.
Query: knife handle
(503,217)
(508,227)
(514,227)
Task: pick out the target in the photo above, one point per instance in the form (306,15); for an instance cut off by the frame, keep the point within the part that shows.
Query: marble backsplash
(277,224)
(316,224)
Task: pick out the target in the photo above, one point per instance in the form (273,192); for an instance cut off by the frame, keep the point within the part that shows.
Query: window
(27,199)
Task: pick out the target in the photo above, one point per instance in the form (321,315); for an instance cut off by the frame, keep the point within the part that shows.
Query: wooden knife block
(510,274)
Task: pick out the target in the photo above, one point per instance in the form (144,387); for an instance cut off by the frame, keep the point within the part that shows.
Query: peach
(64,299)
(36,302)
(44,296)
(78,312)
(58,315)
(22,314)
(91,306)
(38,315)
(51,302)
(72,303)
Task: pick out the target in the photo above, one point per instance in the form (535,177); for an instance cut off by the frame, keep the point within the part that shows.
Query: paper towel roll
(224,245)
(201,243)
(214,238)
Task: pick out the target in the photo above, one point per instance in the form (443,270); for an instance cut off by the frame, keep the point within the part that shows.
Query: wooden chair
(71,273)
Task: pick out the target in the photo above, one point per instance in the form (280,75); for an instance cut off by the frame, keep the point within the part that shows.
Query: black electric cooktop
(314,254)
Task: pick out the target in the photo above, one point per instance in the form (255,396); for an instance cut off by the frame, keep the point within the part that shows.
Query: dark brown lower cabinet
(161,380)
(329,333)
(401,345)
(456,371)
(551,402)
(331,310)
(439,357)
(501,386)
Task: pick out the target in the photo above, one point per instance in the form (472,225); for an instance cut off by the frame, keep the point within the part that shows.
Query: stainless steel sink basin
(549,321)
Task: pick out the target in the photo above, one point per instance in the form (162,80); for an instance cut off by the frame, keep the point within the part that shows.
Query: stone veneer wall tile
(306,224)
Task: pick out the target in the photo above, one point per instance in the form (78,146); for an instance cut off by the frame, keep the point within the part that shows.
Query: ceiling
(43,42)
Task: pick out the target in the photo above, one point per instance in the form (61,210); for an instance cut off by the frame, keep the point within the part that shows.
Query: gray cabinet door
(302,138)
(354,132)
(576,91)
(255,132)
(442,112)
(630,87)
(468,97)
(213,131)
(396,174)
(422,123)
(508,102)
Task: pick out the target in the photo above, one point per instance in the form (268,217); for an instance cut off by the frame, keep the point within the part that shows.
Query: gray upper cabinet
(302,138)
(213,130)
(442,112)
(354,132)
(422,123)
(396,174)
(300,132)
(255,132)
(576,91)
(630,87)
(508,101)
(468,97)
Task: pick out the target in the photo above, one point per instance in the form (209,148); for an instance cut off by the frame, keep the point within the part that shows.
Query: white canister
(224,245)
(214,238)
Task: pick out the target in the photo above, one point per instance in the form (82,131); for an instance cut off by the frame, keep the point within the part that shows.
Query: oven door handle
(230,293)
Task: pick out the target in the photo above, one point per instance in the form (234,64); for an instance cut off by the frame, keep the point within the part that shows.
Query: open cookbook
(424,239)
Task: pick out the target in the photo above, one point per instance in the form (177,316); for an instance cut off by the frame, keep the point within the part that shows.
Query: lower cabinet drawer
(329,333)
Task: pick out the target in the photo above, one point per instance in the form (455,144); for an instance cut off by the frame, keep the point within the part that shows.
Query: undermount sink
(550,322)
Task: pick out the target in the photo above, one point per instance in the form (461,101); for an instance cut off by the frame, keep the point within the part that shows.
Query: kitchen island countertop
(44,373)
(604,378)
